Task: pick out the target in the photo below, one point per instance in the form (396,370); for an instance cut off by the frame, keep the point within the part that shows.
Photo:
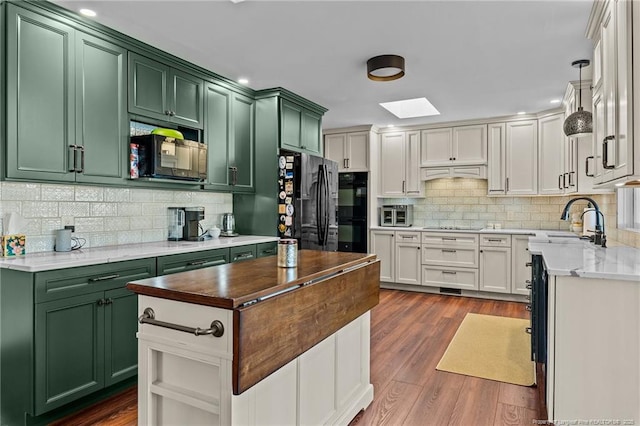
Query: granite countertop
(46,261)
(580,258)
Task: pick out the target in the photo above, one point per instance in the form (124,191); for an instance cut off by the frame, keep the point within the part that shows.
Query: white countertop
(580,258)
(46,261)
(533,232)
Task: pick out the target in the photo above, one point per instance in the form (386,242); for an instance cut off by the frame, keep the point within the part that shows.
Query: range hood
(469,172)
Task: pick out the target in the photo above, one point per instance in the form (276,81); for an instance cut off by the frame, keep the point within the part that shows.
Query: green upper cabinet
(101,106)
(228,133)
(164,93)
(300,128)
(66,119)
(40,96)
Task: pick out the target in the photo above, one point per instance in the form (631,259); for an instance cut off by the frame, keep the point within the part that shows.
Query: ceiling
(471,59)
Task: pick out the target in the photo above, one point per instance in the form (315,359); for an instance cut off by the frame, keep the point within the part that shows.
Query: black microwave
(165,157)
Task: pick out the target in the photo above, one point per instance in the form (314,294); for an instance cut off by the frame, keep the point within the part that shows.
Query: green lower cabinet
(188,261)
(69,350)
(120,328)
(238,254)
(266,249)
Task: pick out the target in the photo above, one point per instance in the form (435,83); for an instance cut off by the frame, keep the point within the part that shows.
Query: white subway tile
(162,196)
(39,209)
(33,227)
(74,209)
(140,222)
(89,193)
(89,224)
(58,192)
(129,209)
(183,197)
(40,243)
(50,225)
(10,207)
(151,235)
(141,195)
(104,209)
(116,195)
(116,224)
(20,191)
(129,237)
(102,239)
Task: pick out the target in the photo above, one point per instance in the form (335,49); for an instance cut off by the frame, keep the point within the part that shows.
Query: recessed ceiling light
(390,125)
(555,101)
(88,12)
(237,1)
(409,108)
(521,113)
(243,81)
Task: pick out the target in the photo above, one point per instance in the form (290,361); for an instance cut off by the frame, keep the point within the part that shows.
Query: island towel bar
(149,317)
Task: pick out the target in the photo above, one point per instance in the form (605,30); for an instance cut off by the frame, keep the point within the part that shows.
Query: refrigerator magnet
(282,195)
(288,200)
(282,209)
(289,209)
(288,221)
(287,233)
(289,174)
(290,158)
(282,228)
(289,166)
(283,218)
(282,162)
(288,187)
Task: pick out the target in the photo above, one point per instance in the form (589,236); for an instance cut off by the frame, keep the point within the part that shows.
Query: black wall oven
(352,212)
(538,307)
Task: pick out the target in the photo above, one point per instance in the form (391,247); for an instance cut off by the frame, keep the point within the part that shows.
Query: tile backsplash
(102,215)
(464,203)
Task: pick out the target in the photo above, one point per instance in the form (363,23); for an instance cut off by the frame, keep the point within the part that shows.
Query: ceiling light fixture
(385,67)
(521,112)
(88,12)
(555,101)
(580,123)
(243,80)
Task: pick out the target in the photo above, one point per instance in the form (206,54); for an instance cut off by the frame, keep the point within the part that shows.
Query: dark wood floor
(409,333)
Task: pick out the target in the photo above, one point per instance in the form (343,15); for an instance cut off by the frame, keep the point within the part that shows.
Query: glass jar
(287,253)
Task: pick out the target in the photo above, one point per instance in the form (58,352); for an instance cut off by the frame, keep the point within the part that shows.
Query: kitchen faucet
(599,238)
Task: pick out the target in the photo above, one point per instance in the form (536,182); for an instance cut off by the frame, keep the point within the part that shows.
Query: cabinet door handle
(527,330)
(506,185)
(449,272)
(75,159)
(101,302)
(197,262)
(407,237)
(404,186)
(104,278)
(528,307)
(571,179)
(149,317)
(586,166)
(108,301)
(559,181)
(81,148)
(528,264)
(344,163)
(348,163)
(564,180)
(449,239)
(605,152)
(494,240)
(167,112)
(528,286)
(449,251)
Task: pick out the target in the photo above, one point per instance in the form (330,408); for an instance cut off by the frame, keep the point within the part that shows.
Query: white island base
(187,380)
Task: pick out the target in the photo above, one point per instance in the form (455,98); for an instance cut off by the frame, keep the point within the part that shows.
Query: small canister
(287,253)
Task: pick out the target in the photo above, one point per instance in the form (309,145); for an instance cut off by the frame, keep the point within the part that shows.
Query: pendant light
(580,123)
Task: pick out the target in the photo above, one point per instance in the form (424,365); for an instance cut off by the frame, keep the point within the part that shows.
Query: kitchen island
(252,343)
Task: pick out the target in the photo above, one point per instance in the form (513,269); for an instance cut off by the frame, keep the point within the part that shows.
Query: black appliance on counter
(308,200)
(165,157)
(352,212)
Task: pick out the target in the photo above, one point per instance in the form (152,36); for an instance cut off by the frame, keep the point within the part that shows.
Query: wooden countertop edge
(235,303)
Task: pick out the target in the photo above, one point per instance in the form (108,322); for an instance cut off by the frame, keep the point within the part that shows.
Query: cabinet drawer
(495,240)
(407,237)
(58,284)
(449,239)
(238,254)
(466,279)
(450,256)
(266,249)
(189,261)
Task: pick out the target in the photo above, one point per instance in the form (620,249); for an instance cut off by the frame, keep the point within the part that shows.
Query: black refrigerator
(308,200)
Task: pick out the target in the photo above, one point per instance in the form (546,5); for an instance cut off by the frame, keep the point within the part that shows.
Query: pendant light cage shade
(385,67)
(580,123)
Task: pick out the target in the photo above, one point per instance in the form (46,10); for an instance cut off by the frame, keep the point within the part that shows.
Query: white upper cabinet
(612,97)
(349,150)
(400,164)
(552,153)
(522,157)
(452,146)
(497,150)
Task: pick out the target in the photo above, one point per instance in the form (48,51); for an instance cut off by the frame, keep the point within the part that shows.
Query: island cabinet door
(69,353)
(316,381)
(121,345)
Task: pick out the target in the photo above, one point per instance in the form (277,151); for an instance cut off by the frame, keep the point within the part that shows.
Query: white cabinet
(520,257)
(555,155)
(495,263)
(408,265)
(383,245)
(464,145)
(399,164)
(316,381)
(613,98)
(450,260)
(349,150)
(522,157)
(513,158)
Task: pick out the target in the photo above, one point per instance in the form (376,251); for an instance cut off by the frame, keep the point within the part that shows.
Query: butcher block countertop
(278,313)
(233,285)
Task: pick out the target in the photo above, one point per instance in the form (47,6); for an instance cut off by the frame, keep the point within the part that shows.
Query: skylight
(409,108)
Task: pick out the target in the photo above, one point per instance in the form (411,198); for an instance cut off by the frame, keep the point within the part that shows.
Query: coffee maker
(192,228)
(184,223)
